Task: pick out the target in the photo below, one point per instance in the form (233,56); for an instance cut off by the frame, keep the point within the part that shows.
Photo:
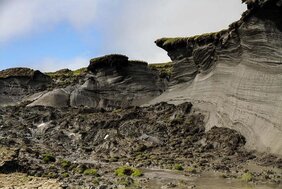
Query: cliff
(110,81)
(234,75)
(17,83)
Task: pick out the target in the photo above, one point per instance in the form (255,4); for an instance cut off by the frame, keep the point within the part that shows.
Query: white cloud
(21,17)
(134,28)
(129,27)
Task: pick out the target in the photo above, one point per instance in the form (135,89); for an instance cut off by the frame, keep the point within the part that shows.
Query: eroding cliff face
(116,82)
(111,81)
(235,75)
(17,83)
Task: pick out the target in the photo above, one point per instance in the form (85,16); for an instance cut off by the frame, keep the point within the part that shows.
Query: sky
(49,35)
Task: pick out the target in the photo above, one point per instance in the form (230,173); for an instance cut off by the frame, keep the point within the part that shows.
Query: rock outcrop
(234,75)
(17,83)
(112,81)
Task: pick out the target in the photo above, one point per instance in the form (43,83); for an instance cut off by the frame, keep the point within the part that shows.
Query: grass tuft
(92,172)
(247,177)
(128,171)
(47,158)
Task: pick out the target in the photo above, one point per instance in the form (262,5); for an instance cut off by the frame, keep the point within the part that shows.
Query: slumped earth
(83,147)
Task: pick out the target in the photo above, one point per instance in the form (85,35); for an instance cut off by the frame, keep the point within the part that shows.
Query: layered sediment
(18,83)
(110,81)
(234,75)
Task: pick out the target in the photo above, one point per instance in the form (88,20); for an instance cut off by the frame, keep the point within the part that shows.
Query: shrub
(247,177)
(65,163)
(178,167)
(47,158)
(128,171)
(65,175)
(92,172)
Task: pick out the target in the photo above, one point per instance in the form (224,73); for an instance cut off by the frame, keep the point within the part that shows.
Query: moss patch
(128,171)
(92,172)
(170,43)
(165,69)
(66,73)
(178,167)
(17,72)
(107,61)
(247,177)
(67,77)
(47,158)
(65,163)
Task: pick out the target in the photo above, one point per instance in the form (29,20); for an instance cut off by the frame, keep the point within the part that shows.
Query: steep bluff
(117,82)
(111,81)
(234,75)
(17,83)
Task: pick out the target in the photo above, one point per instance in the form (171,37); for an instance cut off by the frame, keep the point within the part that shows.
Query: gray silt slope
(237,83)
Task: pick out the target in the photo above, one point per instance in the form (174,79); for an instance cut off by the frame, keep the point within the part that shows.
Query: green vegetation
(178,167)
(107,61)
(67,77)
(107,58)
(16,72)
(47,158)
(247,177)
(65,163)
(176,41)
(66,73)
(92,172)
(165,69)
(65,175)
(128,171)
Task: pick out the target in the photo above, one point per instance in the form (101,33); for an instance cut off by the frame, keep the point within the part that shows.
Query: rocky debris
(17,83)
(234,75)
(224,139)
(64,142)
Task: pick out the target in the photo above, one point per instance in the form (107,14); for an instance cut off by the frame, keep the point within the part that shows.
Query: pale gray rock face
(55,98)
(236,79)
(130,85)
(113,84)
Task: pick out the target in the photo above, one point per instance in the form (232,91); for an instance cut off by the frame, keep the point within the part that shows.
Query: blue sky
(49,34)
